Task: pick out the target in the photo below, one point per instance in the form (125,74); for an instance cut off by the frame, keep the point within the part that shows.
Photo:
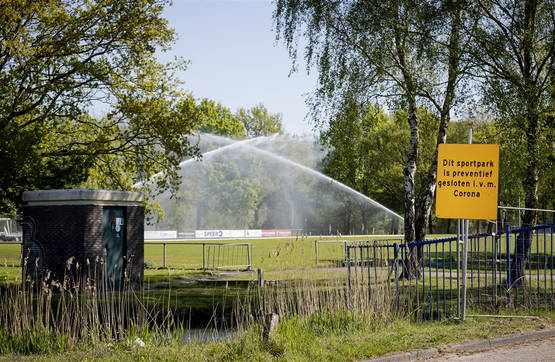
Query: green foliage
(361,49)
(513,158)
(61,59)
(216,119)
(258,121)
(514,51)
(368,148)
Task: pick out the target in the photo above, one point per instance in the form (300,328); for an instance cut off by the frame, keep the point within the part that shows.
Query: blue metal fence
(512,269)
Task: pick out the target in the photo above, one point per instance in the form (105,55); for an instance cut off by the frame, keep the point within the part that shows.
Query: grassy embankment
(309,330)
(329,337)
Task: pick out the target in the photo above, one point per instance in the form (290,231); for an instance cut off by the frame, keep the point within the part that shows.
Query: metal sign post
(465,252)
(464,264)
(459,235)
(466,188)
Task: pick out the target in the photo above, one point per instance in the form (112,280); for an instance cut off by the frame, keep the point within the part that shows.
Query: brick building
(84,233)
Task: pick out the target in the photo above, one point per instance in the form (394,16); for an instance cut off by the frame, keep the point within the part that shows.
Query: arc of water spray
(209,154)
(321,175)
(249,144)
(300,166)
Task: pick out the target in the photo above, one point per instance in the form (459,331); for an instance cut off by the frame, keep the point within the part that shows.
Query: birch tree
(515,54)
(403,53)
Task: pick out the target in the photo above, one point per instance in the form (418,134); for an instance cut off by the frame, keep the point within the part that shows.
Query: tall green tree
(215,118)
(59,60)
(515,52)
(362,49)
(258,121)
(406,53)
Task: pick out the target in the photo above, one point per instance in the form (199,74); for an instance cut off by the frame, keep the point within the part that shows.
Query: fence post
(203,256)
(316,250)
(458,268)
(508,252)
(495,258)
(395,266)
(260,277)
(348,252)
(249,255)
(464,267)
(465,250)
(165,264)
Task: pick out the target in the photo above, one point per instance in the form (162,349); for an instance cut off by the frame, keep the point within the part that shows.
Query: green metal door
(113,242)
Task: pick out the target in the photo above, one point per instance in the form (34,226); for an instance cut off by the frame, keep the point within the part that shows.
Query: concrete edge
(472,346)
(484,344)
(407,356)
(72,196)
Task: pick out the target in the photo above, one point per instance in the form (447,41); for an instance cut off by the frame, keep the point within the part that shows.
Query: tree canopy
(60,62)
(402,53)
(258,121)
(514,52)
(433,56)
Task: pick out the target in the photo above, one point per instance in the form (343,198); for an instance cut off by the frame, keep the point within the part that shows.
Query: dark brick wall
(54,234)
(59,232)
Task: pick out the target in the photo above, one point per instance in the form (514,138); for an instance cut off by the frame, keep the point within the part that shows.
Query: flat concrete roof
(82,197)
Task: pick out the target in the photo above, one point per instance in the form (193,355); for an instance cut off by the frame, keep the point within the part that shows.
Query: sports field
(273,254)
(267,254)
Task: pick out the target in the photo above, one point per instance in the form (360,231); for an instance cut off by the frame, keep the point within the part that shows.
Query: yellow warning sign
(467,181)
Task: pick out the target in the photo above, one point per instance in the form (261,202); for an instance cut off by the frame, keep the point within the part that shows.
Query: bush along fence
(510,269)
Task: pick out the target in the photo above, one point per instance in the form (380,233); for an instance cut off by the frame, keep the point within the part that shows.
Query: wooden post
(316,250)
(260,277)
(203,256)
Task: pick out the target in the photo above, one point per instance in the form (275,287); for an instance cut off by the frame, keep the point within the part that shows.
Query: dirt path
(539,350)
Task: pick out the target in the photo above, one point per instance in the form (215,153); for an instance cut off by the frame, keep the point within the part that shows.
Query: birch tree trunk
(412,259)
(426,199)
(530,182)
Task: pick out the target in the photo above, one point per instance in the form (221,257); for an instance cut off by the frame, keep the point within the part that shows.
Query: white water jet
(206,156)
(322,176)
(295,164)
(247,184)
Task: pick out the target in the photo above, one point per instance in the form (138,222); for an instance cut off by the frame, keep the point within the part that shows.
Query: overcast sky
(235,59)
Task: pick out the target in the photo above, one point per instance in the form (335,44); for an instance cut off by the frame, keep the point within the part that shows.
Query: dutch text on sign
(467,181)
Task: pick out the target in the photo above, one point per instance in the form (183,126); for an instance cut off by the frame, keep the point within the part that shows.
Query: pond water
(207,335)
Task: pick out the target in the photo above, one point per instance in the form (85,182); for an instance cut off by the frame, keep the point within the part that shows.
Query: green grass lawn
(10,255)
(289,253)
(267,254)
(292,254)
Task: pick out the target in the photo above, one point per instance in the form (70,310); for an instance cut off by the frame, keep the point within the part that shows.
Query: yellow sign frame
(467,183)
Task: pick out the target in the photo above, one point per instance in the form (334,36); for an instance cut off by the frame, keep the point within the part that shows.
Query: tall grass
(45,314)
(308,298)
